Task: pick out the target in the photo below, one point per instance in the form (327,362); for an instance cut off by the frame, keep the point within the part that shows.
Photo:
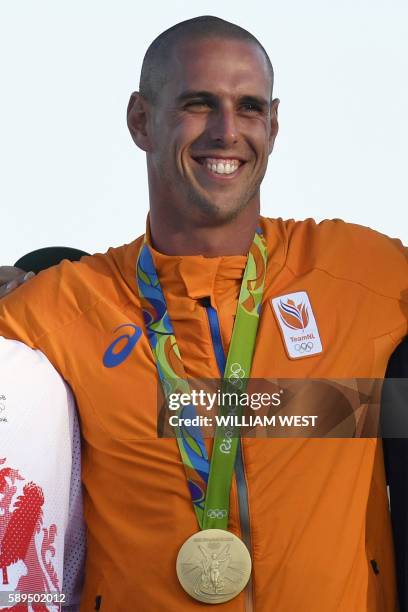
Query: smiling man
(214,290)
(208,131)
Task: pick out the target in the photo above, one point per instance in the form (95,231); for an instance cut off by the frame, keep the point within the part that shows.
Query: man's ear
(274,123)
(137,120)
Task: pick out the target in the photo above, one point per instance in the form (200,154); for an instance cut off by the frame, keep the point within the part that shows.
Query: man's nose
(223,127)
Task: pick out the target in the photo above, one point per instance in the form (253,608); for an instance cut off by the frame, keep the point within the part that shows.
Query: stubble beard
(200,207)
(212,213)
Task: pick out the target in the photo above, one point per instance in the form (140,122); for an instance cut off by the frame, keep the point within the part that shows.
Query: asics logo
(113,357)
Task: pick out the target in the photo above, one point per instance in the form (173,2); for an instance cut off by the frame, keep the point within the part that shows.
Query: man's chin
(216,211)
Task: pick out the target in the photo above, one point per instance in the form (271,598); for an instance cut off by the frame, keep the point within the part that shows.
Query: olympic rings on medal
(305,347)
(216,513)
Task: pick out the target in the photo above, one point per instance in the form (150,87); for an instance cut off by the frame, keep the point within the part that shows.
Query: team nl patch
(298,325)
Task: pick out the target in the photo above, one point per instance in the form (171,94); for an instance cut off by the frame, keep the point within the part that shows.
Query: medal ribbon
(209,483)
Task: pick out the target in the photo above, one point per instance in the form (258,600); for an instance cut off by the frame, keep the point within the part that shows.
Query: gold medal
(213,566)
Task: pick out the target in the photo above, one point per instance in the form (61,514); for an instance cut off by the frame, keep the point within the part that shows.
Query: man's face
(212,129)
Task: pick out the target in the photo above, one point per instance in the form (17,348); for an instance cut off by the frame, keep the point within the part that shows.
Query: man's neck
(185,238)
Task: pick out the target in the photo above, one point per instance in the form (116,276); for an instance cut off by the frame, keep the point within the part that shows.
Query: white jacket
(42,544)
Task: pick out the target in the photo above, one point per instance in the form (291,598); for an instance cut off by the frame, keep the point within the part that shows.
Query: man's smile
(220,167)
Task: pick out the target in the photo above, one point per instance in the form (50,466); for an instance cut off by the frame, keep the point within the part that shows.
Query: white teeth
(222,166)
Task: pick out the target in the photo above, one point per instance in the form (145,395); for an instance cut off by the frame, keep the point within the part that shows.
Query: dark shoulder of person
(396,467)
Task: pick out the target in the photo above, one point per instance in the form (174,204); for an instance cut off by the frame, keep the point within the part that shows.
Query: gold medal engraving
(213,566)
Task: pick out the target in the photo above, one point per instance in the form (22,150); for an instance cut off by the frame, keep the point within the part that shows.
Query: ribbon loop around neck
(209,482)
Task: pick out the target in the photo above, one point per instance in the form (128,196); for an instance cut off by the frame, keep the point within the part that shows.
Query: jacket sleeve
(40,500)
(75,538)
(26,313)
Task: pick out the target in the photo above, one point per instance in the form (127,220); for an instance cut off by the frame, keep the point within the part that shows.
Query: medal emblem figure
(213,564)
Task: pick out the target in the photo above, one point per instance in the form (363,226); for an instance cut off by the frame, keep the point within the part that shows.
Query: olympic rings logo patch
(216,513)
(304,347)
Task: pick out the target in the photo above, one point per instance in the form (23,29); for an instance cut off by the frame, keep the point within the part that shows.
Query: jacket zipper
(240,478)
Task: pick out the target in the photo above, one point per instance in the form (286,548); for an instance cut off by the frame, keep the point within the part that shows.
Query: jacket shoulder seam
(38,339)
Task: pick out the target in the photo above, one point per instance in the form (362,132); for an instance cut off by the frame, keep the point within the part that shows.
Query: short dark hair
(153,74)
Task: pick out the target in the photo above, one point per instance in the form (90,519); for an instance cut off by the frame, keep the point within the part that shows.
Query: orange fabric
(318,508)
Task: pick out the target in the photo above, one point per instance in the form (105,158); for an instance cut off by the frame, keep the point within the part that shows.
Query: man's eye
(197,105)
(250,107)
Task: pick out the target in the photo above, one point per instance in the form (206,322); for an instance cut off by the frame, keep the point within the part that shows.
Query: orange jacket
(317,509)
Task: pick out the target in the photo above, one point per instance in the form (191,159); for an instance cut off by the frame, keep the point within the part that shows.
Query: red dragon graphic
(19,523)
(23,523)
